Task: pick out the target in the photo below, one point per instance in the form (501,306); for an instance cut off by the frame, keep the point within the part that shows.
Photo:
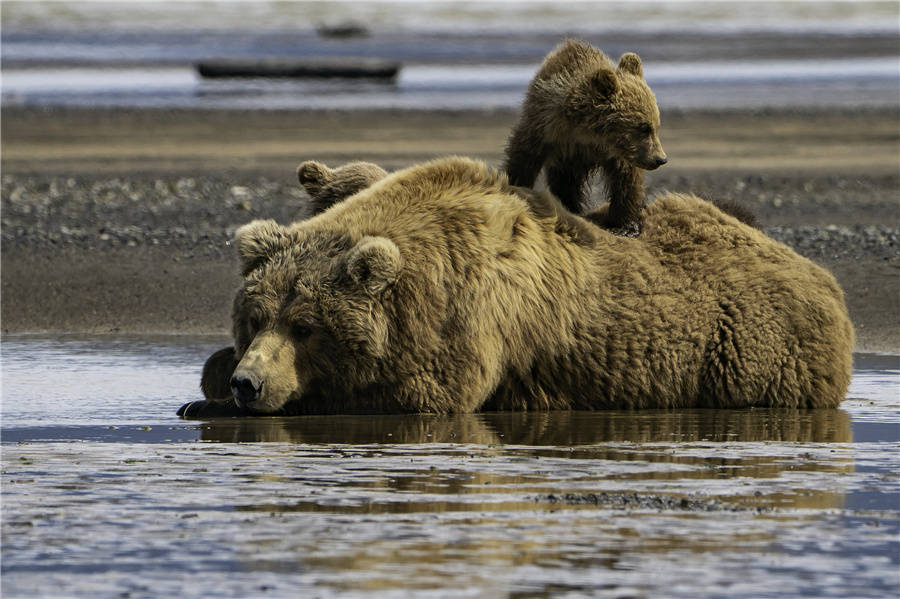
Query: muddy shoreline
(118,221)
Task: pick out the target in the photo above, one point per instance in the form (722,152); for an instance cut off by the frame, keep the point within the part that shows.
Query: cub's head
(619,110)
(328,186)
(308,321)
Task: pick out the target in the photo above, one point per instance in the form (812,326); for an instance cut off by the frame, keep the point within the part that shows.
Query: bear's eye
(645,129)
(300,331)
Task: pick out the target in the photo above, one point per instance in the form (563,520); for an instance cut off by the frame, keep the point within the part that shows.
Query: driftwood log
(350,68)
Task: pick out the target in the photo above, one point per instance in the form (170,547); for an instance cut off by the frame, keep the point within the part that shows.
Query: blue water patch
(737,84)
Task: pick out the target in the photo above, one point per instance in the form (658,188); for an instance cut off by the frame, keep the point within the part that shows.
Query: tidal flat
(107,493)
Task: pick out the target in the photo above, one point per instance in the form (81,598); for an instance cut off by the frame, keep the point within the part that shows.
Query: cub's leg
(525,155)
(567,179)
(625,188)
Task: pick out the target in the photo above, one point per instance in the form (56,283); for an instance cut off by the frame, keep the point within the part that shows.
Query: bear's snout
(245,388)
(652,161)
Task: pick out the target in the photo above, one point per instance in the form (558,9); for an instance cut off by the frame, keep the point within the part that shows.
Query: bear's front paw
(209,409)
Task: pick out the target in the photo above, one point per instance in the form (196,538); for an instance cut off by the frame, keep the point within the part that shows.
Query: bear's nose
(661,161)
(245,388)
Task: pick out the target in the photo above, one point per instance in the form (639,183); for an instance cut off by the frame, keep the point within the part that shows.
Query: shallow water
(870,82)
(106,493)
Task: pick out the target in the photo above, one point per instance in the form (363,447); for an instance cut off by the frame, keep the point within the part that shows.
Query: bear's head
(308,320)
(328,186)
(619,111)
(383,303)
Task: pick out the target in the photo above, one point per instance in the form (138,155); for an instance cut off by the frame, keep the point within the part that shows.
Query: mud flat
(119,220)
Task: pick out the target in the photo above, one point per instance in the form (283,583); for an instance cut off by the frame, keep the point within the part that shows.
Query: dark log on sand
(350,68)
(346,29)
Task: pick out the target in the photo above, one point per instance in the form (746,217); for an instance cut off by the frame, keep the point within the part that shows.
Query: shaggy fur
(338,184)
(581,114)
(440,289)
(327,186)
(346,180)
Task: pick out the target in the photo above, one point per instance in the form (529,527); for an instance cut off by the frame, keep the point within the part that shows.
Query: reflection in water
(615,454)
(543,428)
(106,493)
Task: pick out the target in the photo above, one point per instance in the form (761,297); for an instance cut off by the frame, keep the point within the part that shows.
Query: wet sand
(118,221)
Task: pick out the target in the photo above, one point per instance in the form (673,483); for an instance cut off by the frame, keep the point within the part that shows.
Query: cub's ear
(257,241)
(313,176)
(604,83)
(374,263)
(631,63)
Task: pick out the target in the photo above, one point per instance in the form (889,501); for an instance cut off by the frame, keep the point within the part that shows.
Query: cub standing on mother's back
(581,114)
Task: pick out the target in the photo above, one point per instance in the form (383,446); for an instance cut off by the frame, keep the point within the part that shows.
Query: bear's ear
(313,176)
(374,263)
(631,63)
(604,83)
(257,241)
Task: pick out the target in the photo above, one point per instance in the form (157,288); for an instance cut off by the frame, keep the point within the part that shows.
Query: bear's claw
(209,409)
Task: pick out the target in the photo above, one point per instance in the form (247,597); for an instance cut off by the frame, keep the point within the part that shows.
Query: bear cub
(582,114)
(328,186)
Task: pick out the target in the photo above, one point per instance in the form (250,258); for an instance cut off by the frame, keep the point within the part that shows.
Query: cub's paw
(623,227)
(627,230)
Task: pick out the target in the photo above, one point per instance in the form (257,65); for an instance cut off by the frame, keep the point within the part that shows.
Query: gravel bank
(827,217)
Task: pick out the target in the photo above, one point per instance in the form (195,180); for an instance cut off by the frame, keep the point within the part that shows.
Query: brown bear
(441,290)
(327,186)
(581,114)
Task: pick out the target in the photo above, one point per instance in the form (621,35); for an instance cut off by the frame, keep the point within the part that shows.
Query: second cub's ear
(631,63)
(604,83)
(313,175)
(259,240)
(374,263)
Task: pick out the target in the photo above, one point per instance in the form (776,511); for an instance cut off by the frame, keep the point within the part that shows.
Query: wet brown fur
(581,114)
(442,289)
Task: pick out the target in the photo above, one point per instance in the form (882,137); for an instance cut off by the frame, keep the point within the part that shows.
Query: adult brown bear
(442,288)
